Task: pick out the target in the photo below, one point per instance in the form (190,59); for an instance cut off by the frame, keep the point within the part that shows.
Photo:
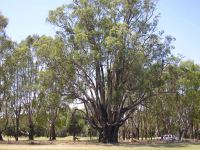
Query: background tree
(29,81)
(76,124)
(19,65)
(52,78)
(6,49)
(188,97)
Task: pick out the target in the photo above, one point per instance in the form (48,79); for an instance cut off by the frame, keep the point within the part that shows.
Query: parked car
(169,137)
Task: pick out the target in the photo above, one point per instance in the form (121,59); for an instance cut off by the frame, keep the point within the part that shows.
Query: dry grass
(99,147)
(84,144)
(68,138)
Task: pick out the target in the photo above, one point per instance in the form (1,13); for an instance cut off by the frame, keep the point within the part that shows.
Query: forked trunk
(109,134)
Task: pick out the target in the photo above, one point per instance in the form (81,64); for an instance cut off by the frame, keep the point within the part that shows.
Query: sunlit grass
(84,143)
(99,147)
(68,138)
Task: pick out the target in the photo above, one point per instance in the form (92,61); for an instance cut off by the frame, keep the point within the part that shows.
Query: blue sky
(179,18)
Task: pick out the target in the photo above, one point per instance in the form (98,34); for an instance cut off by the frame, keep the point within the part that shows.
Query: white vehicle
(169,137)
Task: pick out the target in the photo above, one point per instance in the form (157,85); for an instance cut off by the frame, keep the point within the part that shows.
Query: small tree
(76,123)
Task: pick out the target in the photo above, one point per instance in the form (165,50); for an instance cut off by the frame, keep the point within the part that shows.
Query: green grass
(80,146)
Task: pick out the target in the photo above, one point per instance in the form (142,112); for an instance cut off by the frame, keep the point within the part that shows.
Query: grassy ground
(68,138)
(100,147)
(84,144)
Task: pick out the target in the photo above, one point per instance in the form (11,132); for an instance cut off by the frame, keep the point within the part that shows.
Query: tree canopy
(116,53)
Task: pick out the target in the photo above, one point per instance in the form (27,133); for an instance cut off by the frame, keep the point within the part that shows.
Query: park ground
(86,144)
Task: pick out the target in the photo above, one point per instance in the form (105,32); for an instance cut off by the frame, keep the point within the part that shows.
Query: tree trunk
(100,135)
(142,131)
(145,133)
(132,130)
(191,129)
(138,132)
(52,132)
(197,131)
(17,129)
(1,137)
(124,134)
(31,131)
(180,134)
(74,133)
(151,134)
(109,134)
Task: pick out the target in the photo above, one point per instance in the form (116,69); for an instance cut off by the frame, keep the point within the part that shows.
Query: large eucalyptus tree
(117,55)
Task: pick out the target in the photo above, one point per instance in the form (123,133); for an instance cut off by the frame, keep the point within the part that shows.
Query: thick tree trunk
(52,132)
(109,134)
(1,137)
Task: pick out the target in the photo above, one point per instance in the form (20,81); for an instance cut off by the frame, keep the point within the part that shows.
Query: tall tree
(19,64)
(6,49)
(53,67)
(29,80)
(117,56)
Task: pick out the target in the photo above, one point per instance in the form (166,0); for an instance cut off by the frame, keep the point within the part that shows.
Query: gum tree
(52,68)
(117,55)
(28,71)
(6,49)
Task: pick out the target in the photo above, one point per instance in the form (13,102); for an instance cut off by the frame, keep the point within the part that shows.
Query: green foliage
(3,22)
(76,124)
(116,53)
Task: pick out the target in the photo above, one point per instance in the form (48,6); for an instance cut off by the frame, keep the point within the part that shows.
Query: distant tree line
(108,56)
